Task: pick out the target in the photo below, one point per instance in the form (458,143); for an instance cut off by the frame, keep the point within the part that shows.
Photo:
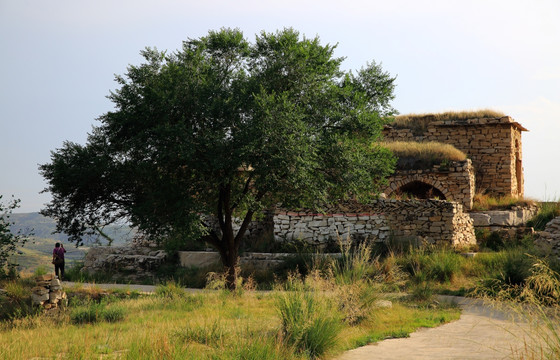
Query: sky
(59,59)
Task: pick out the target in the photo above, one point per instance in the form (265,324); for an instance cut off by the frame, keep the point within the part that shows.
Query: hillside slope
(38,249)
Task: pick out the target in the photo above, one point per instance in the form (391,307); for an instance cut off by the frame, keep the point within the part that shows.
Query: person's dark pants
(61,268)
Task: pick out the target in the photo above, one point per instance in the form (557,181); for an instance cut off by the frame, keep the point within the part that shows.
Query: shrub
(309,324)
(85,314)
(170,290)
(95,312)
(516,267)
(354,264)
(257,348)
(422,291)
(16,302)
(356,301)
(210,335)
(542,286)
(547,212)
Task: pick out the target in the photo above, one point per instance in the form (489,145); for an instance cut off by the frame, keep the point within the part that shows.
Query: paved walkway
(480,333)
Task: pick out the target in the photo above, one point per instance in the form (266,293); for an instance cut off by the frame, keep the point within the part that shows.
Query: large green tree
(224,127)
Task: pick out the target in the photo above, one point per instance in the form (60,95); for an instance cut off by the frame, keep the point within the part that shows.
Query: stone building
(493,144)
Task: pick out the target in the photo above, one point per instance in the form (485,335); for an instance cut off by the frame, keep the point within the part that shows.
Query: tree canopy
(225,127)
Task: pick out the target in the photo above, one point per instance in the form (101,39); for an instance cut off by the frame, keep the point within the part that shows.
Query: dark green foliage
(493,242)
(441,265)
(307,322)
(15,303)
(226,128)
(547,212)
(95,312)
(9,241)
(516,267)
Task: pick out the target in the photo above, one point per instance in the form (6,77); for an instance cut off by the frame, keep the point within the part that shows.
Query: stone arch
(421,188)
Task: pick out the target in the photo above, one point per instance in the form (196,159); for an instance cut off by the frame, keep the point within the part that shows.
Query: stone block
(198,258)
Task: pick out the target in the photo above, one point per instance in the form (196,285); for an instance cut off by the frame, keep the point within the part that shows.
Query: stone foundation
(517,216)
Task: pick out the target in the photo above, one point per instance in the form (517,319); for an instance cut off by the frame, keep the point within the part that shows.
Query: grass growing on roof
(419,122)
(424,154)
(485,202)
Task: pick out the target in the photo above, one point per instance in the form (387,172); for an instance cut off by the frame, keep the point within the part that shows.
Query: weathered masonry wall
(493,145)
(431,221)
(456,181)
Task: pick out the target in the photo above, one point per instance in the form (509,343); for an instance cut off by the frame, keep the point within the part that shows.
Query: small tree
(8,240)
(226,128)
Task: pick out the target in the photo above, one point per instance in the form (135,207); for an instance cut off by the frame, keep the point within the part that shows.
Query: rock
(383,304)
(480,219)
(39,299)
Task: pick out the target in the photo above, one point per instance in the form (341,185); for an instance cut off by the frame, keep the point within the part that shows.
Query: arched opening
(420,190)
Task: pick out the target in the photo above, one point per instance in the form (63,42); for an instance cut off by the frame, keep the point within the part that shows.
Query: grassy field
(209,325)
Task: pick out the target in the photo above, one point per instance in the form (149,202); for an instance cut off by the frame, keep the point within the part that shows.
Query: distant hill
(38,250)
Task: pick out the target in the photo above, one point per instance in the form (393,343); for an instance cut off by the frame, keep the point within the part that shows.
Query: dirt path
(480,333)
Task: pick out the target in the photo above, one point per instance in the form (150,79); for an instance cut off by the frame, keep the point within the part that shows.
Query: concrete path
(480,333)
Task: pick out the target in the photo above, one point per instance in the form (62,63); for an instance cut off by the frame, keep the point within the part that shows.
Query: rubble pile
(48,292)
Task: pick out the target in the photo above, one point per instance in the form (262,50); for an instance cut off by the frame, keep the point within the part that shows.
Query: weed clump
(95,312)
(547,212)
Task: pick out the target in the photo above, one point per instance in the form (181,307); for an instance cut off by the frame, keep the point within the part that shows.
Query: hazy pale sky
(59,58)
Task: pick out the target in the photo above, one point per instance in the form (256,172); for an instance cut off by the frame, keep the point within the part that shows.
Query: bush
(354,264)
(516,267)
(309,324)
(441,265)
(170,290)
(95,312)
(210,335)
(547,212)
(15,303)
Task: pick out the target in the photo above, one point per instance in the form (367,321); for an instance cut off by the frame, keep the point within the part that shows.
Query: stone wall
(431,221)
(130,262)
(253,260)
(494,219)
(456,181)
(493,145)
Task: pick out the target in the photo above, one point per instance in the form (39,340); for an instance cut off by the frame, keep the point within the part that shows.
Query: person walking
(58,260)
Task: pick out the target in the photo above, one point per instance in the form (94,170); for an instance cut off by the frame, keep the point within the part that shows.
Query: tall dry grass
(429,153)
(485,202)
(418,123)
(535,305)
